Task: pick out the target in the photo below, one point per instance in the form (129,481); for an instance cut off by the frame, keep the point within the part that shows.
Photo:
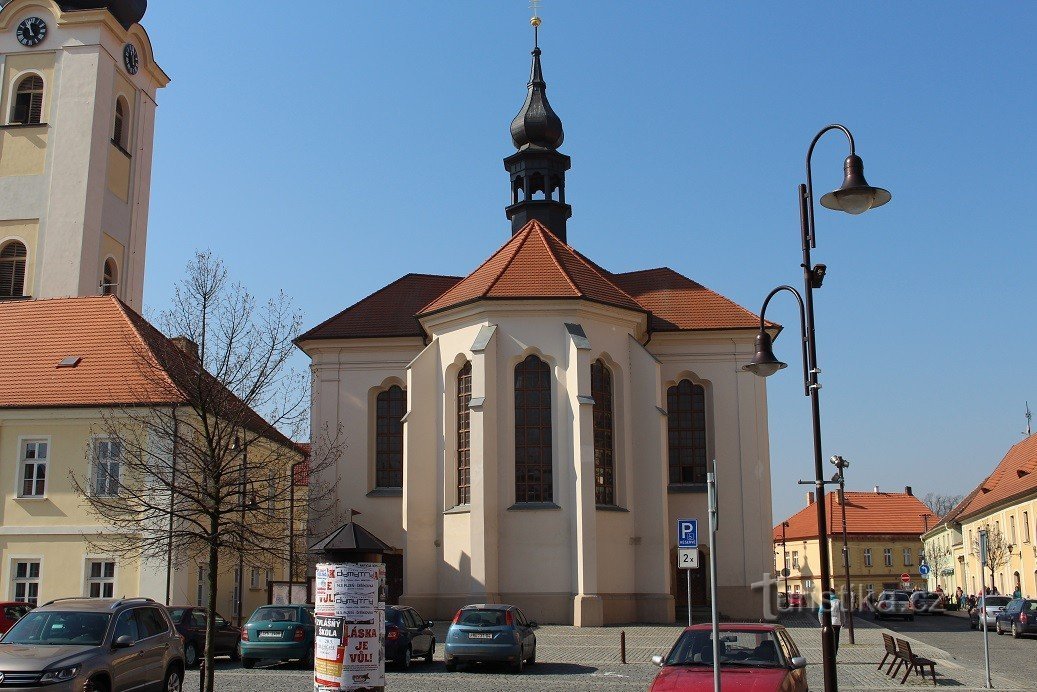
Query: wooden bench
(913,662)
(891,654)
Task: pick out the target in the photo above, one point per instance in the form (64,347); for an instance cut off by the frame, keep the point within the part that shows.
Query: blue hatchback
(407,635)
(278,632)
(490,633)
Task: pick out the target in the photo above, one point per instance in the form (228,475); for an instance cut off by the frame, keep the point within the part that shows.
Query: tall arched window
(111,277)
(533,480)
(119,130)
(604,435)
(464,434)
(12,270)
(28,101)
(686,420)
(390,407)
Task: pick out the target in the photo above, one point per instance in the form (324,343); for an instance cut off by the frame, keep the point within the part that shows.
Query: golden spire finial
(535,22)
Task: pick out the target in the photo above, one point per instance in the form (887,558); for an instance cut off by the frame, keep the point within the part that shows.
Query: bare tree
(937,558)
(204,467)
(941,504)
(999,550)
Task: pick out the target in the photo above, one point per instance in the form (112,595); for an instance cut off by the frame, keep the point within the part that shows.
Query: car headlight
(60,675)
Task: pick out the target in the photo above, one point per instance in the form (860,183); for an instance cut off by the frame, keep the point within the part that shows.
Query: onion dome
(536,123)
(128,12)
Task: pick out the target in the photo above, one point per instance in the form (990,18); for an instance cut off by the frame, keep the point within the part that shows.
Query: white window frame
(795,559)
(1026,527)
(15,580)
(269,576)
(12,93)
(1011,530)
(808,584)
(887,557)
(907,557)
(96,466)
(102,580)
(867,557)
(20,469)
(253,578)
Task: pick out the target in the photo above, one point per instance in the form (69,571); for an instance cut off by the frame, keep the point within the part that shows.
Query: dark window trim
(21,126)
(687,459)
(603,415)
(686,488)
(389,436)
(463,438)
(119,147)
(534,439)
(611,508)
(386,492)
(526,506)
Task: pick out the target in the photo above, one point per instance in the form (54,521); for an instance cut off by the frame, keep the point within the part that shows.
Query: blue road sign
(923,570)
(687,533)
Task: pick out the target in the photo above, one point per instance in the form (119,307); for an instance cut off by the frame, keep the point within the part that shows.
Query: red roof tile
(866,514)
(1016,475)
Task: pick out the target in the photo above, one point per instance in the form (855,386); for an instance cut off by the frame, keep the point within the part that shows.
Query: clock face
(130,58)
(31,31)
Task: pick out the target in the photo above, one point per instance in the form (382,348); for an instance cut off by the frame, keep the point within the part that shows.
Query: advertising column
(350,617)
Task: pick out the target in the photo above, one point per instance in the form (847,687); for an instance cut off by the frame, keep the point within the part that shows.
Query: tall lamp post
(785,560)
(854,196)
(842,465)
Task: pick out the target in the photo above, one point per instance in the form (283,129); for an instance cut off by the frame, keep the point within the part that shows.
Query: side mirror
(657,660)
(799,662)
(430,624)
(123,642)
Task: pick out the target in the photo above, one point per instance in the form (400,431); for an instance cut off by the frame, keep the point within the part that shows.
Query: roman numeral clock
(31,31)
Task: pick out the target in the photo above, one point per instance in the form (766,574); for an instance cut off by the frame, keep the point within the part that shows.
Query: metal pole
(687,575)
(846,556)
(241,538)
(983,601)
(291,532)
(785,561)
(711,484)
(172,507)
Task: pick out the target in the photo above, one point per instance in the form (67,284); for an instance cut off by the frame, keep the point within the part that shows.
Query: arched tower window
(12,270)
(604,435)
(28,101)
(533,478)
(464,434)
(686,421)
(390,407)
(119,131)
(111,277)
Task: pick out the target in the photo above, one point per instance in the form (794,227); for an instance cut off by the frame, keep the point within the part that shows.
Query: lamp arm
(802,327)
(810,182)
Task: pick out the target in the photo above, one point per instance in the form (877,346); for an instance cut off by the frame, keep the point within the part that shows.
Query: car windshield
(177,615)
(482,618)
(275,615)
(998,601)
(756,648)
(53,628)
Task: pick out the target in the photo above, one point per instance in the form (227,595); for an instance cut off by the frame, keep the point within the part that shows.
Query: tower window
(390,407)
(604,464)
(464,435)
(686,428)
(12,270)
(111,277)
(533,478)
(119,130)
(28,101)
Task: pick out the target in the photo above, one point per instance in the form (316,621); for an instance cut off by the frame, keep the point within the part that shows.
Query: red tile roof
(1015,476)
(866,514)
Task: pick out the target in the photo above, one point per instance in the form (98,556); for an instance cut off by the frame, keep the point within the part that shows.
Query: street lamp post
(842,465)
(854,196)
(785,560)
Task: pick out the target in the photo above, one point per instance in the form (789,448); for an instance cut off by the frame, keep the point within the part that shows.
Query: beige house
(531,433)
(882,532)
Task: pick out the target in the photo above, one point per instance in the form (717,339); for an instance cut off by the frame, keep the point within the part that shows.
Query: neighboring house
(67,367)
(882,532)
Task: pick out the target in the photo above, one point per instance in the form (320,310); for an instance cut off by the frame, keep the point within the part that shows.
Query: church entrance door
(699,586)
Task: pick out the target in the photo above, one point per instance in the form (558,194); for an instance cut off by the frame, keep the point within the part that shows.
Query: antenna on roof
(1029,417)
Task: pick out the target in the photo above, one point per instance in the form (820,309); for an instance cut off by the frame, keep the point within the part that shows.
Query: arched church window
(119,130)
(686,423)
(12,270)
(533,477)
(390,406)
(28,101)
(604,435)
(111,277)
(464,434)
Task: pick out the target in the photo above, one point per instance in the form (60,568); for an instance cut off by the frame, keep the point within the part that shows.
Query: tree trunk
(210,616)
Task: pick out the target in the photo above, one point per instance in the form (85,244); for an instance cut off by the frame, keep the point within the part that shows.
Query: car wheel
(174,683)
(405,659)
(1015,631)
(997,628)
(190,655)
(516,667)
(235,655)
(431,652)
(247,662)
(96,685)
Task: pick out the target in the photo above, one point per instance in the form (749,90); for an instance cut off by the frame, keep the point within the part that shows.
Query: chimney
(907,490)
(186,345)
(876,490)
(810,498)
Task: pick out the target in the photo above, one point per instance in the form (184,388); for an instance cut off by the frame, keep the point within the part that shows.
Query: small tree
(941,504)
(201,471)
(999,550)
(937,558)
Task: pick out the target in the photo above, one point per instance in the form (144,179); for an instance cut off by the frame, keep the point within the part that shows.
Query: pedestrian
(836,607)
(1018,593)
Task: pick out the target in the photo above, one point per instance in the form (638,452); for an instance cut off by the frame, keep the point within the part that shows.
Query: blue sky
(330,149)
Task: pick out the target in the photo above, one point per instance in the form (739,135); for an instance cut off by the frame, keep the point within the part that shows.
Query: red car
(756,657)
(11,612)
(797,600)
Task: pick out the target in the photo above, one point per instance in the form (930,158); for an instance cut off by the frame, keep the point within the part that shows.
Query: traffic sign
(688,558)
(905,577)
(687,533)
(785,572)
(923,570)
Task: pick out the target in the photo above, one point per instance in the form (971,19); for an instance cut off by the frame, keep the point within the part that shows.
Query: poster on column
(324,591)
(328,654)
(356,593)
(362,665)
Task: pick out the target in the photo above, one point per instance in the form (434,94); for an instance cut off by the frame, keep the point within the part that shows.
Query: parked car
(407,634)
(283,633)
(783,599)
(102,644)
(11,612)
(894,604)
(757,657)
(797,600)
(190,623)
(993,606)
(928,602)
(490,633)
(1019,617)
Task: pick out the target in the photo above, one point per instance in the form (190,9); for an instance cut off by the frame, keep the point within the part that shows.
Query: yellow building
(1005,504)
(882,531)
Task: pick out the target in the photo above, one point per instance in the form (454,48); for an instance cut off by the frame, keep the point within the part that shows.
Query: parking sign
(687,533)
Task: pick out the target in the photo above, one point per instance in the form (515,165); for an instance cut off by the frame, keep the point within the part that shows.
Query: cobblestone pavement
(589,659)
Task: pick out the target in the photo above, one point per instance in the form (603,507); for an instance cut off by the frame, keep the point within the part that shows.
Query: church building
(531,432)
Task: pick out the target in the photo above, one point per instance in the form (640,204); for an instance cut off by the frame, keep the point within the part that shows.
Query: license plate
(270,635)
(480,636)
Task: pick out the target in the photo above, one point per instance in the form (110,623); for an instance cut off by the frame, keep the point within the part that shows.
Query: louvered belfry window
(464,434)
(533,477)
(109,281)
(119,129)
(12,270)
(390,407)
(604,435)
(28,101)
(686,423)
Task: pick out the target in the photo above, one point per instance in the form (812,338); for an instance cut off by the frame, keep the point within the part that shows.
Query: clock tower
(78,85)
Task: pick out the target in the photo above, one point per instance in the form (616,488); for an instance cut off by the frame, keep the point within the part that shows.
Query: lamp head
(764,364)
(855,196)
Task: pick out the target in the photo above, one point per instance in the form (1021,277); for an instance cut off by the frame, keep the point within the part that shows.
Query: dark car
(490,633)
(282,633)
(190,623)
(1019,617)
(407,635)
(757,657)
(928,602)
(11,612)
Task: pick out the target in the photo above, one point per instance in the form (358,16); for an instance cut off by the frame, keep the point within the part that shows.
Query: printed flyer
(361,664)
(328,653)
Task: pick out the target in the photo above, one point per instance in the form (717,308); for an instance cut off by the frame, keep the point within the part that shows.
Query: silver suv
(93,645)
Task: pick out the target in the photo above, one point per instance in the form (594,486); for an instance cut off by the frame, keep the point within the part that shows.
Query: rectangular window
(105,470)
(887,556)
(34,456)
(795,559)
(235,596)
(26,582)
(907,557)
(867,557)
(1011,529)
(1026,527)
(808,583)
(464,434)
(100,578)
(269,576)
(788,561)
(253,582)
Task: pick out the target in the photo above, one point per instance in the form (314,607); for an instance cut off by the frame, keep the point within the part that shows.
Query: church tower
(78,84)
